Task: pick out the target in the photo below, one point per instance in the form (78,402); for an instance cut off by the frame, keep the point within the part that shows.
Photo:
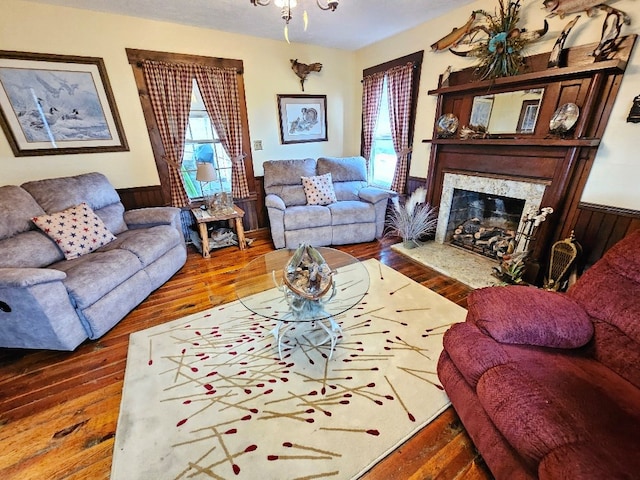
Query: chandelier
(286,7)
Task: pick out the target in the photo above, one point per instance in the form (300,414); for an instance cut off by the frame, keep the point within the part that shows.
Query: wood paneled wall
(140,197)
(599,227)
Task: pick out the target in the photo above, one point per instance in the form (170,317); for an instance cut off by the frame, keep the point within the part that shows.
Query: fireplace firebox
(484,223)
(483,214)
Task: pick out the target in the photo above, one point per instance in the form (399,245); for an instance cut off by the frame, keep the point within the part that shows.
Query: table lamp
(205,173)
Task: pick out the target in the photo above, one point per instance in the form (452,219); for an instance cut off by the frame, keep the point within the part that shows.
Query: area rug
(466,267)
(207,396)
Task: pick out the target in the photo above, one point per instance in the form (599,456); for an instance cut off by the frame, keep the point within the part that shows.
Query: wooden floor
(58,410)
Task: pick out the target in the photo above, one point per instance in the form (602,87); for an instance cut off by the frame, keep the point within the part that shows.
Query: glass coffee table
(261,289)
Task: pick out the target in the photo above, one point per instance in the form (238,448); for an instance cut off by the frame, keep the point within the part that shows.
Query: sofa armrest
(473,351)
(274,201)
(36,310)
(374,194)
(529,316)
(28,277)
(151,217)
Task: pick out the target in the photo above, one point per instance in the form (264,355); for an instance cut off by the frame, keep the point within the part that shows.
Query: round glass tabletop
(260,287)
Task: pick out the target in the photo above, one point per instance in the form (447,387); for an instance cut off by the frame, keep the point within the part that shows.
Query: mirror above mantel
(508,112)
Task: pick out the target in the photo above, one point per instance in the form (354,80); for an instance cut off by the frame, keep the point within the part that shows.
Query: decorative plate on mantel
(564,118)
(447,125)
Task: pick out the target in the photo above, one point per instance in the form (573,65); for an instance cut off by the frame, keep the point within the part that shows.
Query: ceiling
(355,24)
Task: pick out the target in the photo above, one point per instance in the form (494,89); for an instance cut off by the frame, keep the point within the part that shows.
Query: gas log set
(492,242)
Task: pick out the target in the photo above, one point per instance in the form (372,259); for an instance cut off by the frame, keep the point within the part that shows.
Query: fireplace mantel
(522,141)
(562,163)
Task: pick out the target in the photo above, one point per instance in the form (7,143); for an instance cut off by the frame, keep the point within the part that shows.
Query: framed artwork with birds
(57,104)
(303,118)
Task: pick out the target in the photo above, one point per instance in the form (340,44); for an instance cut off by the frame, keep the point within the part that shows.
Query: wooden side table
(203,217)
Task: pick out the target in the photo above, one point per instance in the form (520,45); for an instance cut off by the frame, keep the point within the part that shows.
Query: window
(383,155)
(202,145)
(197,135)
(528,116)
(386,169)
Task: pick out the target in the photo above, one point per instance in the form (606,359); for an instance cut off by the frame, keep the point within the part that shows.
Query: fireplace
(484,223)
(482,213)
(556,167)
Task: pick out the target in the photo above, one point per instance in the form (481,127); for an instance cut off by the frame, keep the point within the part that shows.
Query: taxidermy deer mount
(302,70)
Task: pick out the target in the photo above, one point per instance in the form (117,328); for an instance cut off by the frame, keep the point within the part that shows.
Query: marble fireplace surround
(529,191)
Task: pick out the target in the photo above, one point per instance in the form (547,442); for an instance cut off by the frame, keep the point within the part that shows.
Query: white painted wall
(615,176)
(27,26)
(33,27)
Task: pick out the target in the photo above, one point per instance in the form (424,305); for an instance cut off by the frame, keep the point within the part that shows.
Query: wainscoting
(598,227)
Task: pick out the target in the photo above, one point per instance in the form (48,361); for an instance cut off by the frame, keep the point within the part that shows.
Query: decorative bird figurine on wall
(302,69)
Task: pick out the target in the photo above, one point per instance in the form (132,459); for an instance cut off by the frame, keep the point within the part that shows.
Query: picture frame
(481,111)
(303,118)
(58,104)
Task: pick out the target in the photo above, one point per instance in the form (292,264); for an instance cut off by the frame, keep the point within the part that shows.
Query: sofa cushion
(344,169)
(284,179)
(319,189)
(525,315)
(148,244)
(287,172)
(310,216)
(57,194)
(351,212)
(113,217)
(76,230)
(31,249)
(346,191)
(16,209)
(353,233)
(316,236)
(92,276)
(349,175)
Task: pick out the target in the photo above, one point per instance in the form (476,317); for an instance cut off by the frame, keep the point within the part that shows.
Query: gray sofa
(49,302)
(357,216)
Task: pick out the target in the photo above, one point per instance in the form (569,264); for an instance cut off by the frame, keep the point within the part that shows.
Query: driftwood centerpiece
(307,274)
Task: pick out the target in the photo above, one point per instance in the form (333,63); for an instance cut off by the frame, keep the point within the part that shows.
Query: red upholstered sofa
(548,384)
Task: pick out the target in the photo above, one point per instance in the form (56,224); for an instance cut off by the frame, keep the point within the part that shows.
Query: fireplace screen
(484,223)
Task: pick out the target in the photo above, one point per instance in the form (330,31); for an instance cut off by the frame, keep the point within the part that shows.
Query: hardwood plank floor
(58,410)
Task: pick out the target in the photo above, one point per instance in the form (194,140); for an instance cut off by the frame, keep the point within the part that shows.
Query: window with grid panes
(202,145)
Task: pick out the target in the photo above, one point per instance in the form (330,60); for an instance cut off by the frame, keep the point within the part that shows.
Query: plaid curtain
(219,89)
(371,95)
(399,83)
(170,87)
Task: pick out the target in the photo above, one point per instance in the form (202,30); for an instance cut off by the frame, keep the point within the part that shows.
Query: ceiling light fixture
(286,6)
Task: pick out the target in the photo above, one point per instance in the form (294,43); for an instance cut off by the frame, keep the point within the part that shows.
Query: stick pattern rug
(207,396)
